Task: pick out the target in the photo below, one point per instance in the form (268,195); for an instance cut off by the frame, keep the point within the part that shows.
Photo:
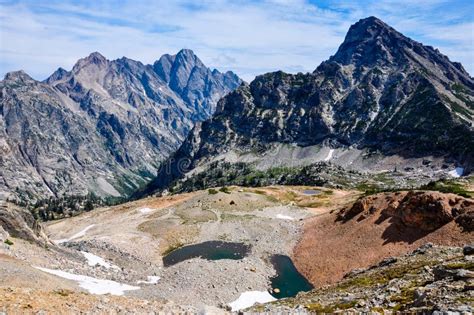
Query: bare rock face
(20,223)
(381,92)
(427,211)
(466,220)
(104,126)
(424,210)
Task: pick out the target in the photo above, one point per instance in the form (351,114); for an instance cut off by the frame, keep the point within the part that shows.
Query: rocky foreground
(380,226)
(431,279)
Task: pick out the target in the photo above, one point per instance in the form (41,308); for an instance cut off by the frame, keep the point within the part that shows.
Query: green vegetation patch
(212,191)
(469,265)
(225,190)
(8,242)
(448,186)
(384,276)
(331,308)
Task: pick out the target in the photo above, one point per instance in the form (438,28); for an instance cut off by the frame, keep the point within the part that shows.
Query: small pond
(288,280)
(311,192)
(212,250)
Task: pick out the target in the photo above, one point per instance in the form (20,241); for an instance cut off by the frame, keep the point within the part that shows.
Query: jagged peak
(186,52)
(371,41)
(94,58)
(18,76)
(369,28)
(188,57)
(57,75)
(129,62)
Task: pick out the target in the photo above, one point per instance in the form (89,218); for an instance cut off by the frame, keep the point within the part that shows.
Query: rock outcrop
(103,127)
(425,210)
(19,223)
(379,226)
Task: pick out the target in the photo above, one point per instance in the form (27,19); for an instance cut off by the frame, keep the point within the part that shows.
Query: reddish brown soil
(377,227)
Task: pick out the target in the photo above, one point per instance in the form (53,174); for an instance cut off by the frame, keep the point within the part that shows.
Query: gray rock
(102,127)
(468,250)
(20,223)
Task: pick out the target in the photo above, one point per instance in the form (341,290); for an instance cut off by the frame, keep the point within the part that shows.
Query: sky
(247,37)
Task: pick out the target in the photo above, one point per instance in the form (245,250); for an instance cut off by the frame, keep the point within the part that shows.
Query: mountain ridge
(101,127)
(380,92)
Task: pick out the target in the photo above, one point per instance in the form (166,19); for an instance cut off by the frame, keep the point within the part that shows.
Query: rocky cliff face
(19,223)
(381,92)
(102,127)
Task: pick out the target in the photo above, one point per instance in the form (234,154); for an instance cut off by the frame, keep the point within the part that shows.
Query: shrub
(225,190)
(8,242)
(212,191)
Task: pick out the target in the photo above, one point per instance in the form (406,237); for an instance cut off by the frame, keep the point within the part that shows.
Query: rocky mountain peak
(368,28)
(94,59)
(18,77)
(187,75)
(370,41)
(187,53)
(57,75)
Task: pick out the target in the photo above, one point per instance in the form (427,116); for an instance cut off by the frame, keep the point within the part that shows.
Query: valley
(134,239)
(141,250)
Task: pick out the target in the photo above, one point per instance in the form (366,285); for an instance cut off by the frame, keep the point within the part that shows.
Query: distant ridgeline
(384,110)
(103,127)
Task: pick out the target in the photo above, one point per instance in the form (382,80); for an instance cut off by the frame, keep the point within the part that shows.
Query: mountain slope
(383,101)
(102,127)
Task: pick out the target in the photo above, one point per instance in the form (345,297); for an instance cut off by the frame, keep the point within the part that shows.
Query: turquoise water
(212,250)
(288,280)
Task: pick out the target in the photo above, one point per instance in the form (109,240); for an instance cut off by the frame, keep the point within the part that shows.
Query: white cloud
(248,37)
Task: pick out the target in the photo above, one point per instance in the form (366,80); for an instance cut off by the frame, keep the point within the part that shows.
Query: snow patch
(145,210)
(94,260)
(77,235)
(330,154)
(151,280)
(92,285)
(249,298)
(457,172)
(284,217)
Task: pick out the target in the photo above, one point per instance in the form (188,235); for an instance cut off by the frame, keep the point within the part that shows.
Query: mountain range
(324,192)
(383,102)
(102,127)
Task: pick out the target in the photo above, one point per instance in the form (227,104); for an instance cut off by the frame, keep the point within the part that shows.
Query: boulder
(20,223)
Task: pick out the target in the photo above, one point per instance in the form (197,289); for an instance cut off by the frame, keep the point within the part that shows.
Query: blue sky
(248,37)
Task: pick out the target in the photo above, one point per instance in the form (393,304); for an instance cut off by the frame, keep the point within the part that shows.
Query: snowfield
(457,172)
(151,280)
(249,298)
(92,285)
(94,260)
